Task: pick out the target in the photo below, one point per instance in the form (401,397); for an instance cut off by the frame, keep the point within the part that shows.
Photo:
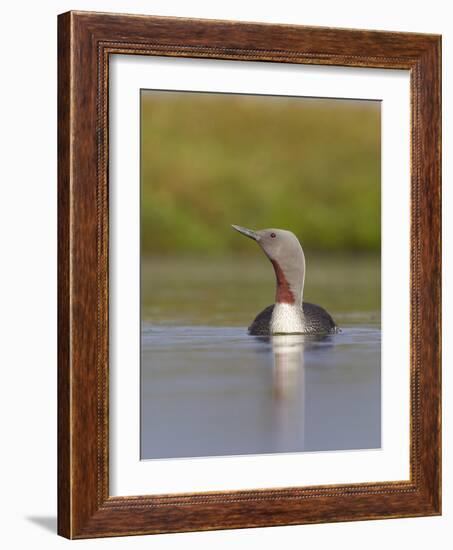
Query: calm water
(208,388)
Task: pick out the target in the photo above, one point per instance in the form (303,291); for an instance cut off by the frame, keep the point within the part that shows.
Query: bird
(290,314)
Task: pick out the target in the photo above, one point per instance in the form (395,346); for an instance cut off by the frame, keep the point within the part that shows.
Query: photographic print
(260,224)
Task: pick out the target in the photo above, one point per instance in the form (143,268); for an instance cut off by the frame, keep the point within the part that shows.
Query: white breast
(287,319)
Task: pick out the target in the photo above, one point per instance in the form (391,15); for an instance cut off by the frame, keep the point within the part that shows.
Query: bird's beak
(247,232)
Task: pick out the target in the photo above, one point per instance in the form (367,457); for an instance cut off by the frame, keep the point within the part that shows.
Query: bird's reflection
(293,359)
(288,377)
(288,368)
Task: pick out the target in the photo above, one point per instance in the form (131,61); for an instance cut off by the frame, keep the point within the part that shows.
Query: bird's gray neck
(290,281)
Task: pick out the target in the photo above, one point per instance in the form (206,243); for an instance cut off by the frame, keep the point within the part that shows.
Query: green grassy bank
(209,160)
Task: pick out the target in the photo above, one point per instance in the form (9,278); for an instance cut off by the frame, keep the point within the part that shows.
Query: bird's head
(283,249)
(279,245)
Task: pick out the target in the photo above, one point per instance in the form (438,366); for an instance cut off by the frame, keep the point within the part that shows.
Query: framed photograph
(249,275)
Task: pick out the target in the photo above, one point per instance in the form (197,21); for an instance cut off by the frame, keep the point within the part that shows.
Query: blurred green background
(209,160)
(308,165)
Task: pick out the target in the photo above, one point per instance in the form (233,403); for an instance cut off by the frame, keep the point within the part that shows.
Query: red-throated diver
(289,314)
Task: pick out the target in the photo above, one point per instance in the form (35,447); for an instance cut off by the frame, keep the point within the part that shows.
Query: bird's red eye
(273,235)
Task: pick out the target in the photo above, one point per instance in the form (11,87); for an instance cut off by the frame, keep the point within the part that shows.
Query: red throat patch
(284,294)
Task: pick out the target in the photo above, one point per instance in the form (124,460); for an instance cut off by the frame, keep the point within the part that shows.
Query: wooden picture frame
(85,42)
